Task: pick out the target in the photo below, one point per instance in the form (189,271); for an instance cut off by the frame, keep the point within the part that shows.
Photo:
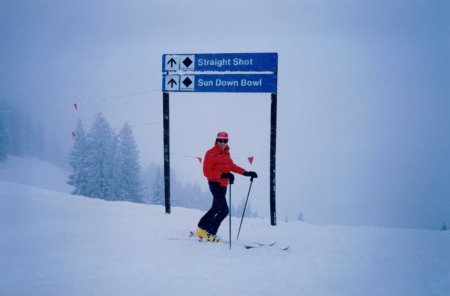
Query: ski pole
(230,215)
(245,206)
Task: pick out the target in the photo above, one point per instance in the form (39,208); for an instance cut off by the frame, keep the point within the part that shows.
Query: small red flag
(199,159)
(250,159)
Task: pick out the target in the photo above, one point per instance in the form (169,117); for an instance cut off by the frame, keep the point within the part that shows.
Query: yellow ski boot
(201,233)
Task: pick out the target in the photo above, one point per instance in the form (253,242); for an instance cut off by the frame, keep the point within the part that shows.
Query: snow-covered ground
(34,172)
(53,243)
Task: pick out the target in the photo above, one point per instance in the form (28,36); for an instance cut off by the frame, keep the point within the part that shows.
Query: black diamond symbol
(187,62)
(187,82)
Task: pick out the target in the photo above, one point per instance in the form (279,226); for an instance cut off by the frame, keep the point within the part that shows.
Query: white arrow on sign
(172,82)
(172,63)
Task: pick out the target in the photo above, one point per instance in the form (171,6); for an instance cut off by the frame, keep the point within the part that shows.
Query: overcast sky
(363,94)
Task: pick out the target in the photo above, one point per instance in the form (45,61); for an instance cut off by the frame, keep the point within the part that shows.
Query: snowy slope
(34,172)
(57,244)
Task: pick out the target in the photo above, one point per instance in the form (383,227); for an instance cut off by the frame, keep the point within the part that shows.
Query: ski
(273,245)
(256,247)
(191,237)
(269,245)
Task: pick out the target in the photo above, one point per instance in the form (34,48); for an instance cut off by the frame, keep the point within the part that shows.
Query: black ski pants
(219,209)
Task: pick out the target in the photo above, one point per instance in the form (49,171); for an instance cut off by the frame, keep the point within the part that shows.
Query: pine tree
(38,141)
(27,133)
(157,190)
(153,184)
(18,134)
(77,161)
(8,128)
(126,175)
(18,130)
(15,132)
(99,159)
(3,131)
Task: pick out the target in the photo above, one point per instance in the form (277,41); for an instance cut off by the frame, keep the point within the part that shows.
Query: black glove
(250,174)
(228,176)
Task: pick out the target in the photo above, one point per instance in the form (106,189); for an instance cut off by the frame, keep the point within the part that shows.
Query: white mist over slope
(53,243)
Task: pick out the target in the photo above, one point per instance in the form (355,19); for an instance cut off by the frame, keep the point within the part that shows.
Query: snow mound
(59,244)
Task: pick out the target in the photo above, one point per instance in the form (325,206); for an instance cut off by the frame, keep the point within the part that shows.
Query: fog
(363,95)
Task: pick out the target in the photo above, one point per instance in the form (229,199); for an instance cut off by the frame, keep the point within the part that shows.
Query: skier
(217,168)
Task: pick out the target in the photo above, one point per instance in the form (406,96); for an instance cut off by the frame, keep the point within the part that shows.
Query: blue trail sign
(221,72)
(253,83)
(221,62)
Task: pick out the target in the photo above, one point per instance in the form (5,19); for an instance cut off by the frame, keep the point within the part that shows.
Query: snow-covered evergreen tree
(126,174)
(19,135)
(27,134)
(17,132)
(3,131)
(8,127)
(99,159)
(153,183)
(38,141)
(78,179)
(157,187)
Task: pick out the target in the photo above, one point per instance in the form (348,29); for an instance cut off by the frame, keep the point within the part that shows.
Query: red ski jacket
(218,161)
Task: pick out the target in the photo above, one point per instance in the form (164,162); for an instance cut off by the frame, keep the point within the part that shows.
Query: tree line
(106,165)
(19,136)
